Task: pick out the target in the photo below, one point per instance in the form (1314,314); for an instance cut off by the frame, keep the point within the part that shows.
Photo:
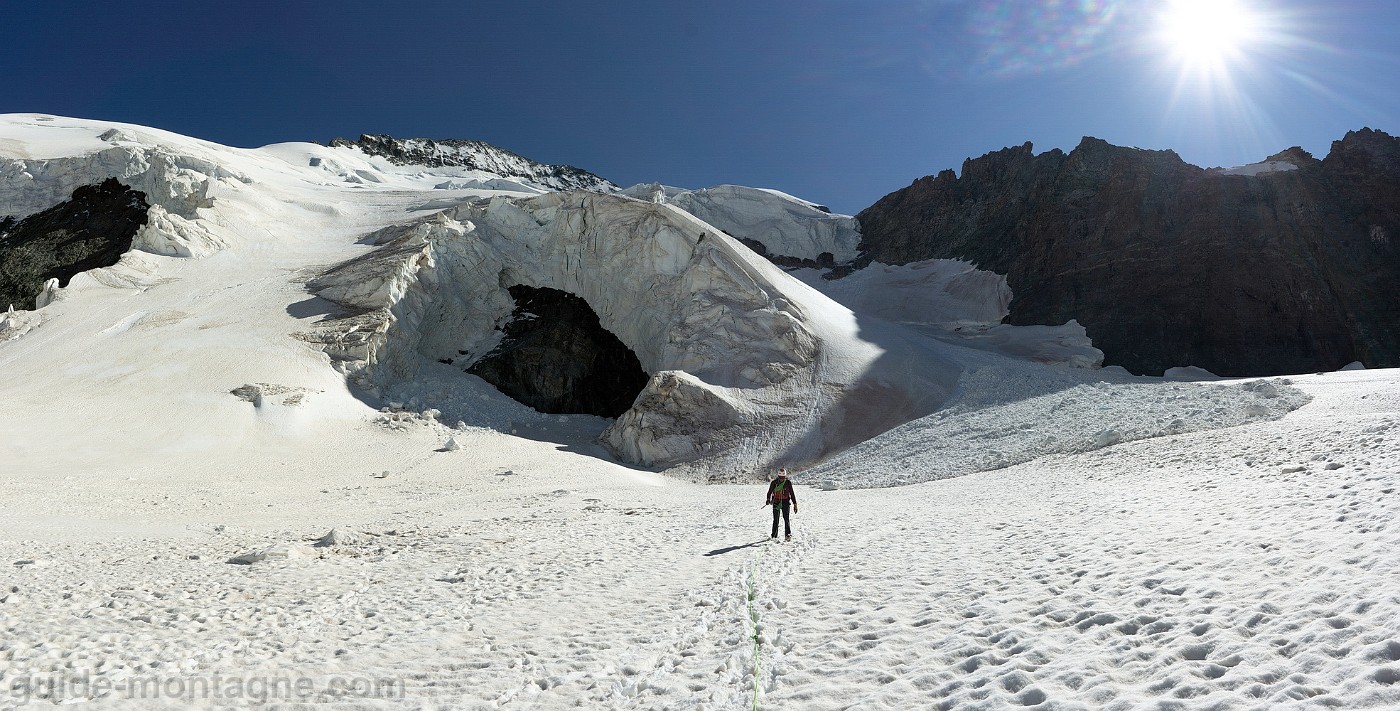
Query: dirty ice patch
(1263,168)
(962,439)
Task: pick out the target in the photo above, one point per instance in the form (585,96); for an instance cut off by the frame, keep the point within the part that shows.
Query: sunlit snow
(195,488)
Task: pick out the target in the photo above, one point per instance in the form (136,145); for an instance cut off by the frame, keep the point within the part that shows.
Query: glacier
(247,423)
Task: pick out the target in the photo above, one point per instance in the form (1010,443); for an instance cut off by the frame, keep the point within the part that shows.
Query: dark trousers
(781,507)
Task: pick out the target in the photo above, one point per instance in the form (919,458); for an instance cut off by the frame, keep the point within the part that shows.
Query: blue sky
(838,102)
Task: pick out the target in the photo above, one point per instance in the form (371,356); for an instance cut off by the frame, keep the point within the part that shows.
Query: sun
(1208,35)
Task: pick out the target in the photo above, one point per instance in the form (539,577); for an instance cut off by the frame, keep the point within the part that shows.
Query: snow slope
(167,415)
(792,381)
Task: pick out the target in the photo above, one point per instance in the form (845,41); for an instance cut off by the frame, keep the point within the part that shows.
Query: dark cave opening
(556,357)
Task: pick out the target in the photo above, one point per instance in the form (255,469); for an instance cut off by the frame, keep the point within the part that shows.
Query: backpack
(781,490)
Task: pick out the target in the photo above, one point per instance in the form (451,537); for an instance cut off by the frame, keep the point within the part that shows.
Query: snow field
(1247,568)
(1242,568)
(1261,168)
(947,292)
(563,598)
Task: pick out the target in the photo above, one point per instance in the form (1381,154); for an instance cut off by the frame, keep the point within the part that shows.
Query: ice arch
(748,365)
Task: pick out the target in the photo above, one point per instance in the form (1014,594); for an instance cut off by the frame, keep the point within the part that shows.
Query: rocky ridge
(475,155)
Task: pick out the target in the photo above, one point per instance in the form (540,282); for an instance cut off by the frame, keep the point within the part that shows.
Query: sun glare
(1208,34)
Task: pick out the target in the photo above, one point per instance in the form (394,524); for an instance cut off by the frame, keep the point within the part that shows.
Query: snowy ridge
(178,177)
(475,155)
(37,171)
(785,226)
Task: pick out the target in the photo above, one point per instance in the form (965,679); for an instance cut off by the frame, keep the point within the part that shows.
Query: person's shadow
(731,549)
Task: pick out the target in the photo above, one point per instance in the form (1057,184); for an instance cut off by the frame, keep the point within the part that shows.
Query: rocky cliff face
(475,155)
(90,230)
(1287,268)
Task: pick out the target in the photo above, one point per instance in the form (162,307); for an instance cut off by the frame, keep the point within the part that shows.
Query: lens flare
(1226,62)
(1026,37)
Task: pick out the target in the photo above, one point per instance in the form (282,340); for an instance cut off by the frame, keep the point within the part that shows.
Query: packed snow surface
(1248,567)
(201,510)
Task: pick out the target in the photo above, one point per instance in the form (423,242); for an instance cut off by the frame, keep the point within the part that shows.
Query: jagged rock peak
(475,155)
(997,165)
(1091,157)
(1295,155)
(1368,136)
(1090,143)
(1366,150)
(1099,159)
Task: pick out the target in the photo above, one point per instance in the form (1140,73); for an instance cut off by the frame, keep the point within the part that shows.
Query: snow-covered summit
(474,155)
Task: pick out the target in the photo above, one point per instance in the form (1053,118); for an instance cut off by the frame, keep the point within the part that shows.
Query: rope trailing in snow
(753,618)
(410,467)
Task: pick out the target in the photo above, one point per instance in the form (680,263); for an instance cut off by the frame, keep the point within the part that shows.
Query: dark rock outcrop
(90,230)
(556,357)
(476,155)
(1168,264)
